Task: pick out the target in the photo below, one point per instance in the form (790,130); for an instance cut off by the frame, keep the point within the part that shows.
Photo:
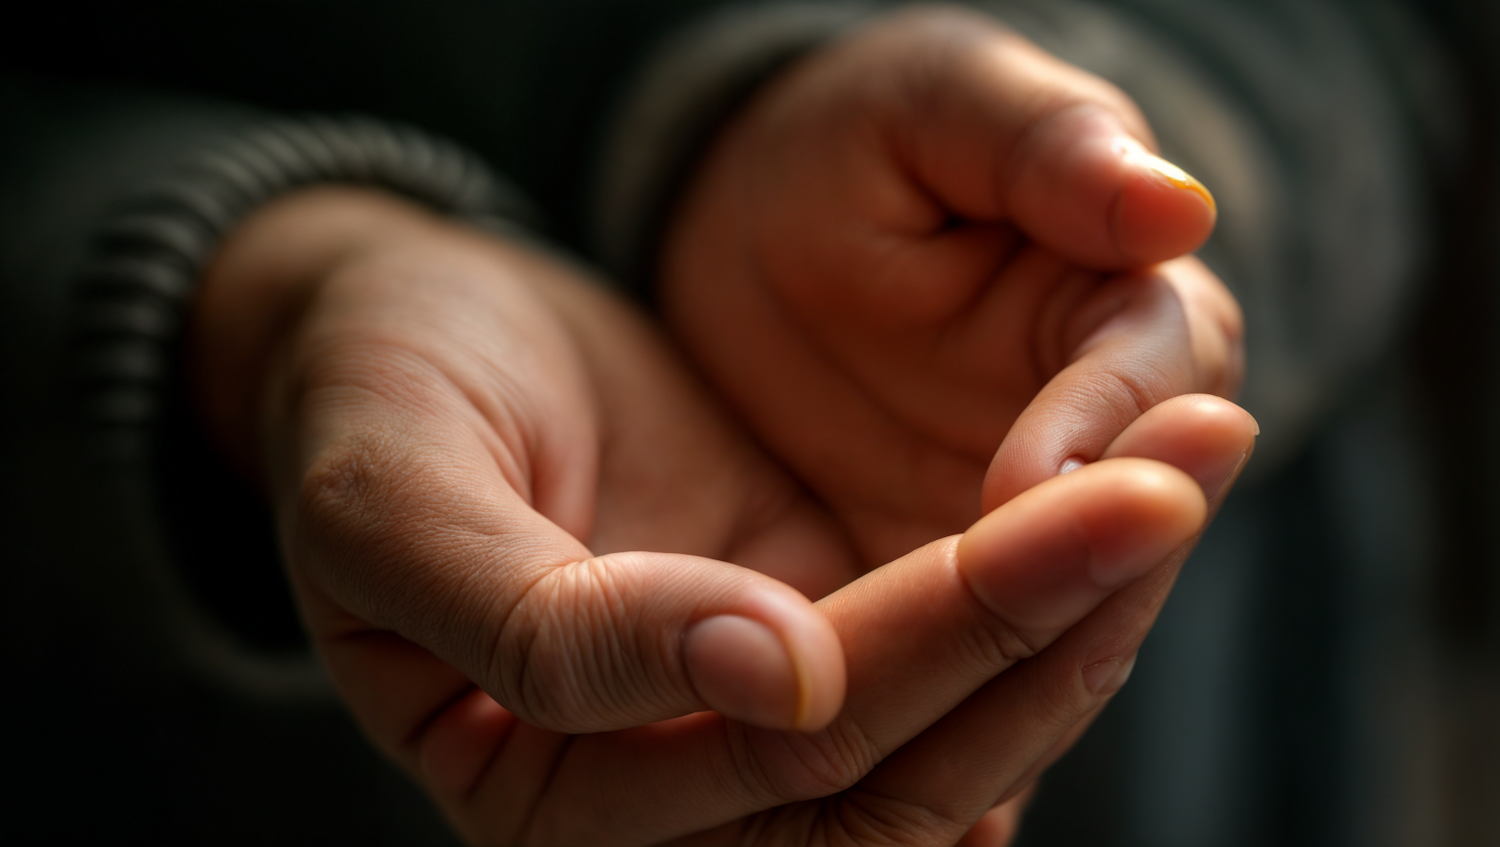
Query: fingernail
(1105,678)
(741,669)
(1215,480)
(1134,153)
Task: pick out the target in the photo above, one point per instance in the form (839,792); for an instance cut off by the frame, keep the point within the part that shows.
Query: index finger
(1138,340)
(921,635)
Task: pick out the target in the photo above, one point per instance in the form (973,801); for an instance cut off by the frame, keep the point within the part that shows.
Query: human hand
(920,265)
(462,440)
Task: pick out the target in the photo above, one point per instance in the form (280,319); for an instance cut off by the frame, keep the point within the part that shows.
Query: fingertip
(1084,186)
(1161,211)
(1148,508)
(821,689)
(1206,437)
(818,658)
(1050,554)
(1136,156)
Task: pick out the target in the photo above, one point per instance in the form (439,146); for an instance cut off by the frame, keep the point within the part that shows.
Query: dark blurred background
(1370,558)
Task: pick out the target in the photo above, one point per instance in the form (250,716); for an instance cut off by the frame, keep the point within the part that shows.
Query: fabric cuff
(696,79)
(147,257)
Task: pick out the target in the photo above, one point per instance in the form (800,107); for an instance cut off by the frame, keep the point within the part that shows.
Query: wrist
(696,83)
(261,284)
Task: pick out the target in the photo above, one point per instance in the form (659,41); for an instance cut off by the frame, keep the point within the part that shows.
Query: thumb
(413,558)
(998,130)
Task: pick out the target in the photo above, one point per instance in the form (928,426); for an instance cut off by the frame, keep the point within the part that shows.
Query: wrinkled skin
(577,598)
(932,242)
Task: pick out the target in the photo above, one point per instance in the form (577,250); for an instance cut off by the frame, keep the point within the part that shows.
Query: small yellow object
(1133,153)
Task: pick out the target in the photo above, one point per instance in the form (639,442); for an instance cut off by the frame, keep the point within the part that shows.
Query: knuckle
(943,50)
(341,497)
(1060,702)
(1231,318)
(863,817)
(508,669)
(995,640)
(1216,323)
(356,515)
(562,657)
(531,640)
(951,45)
(1131,391)
(1232,328)
(342,479)
(786,767)
(947,33)
(1113,99)
(998,643)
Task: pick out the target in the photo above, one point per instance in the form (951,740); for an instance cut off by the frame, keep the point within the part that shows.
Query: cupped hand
(932,266)
(467,446)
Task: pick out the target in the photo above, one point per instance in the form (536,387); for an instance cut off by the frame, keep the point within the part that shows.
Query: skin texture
(565,587)
(934,244)
(464,441)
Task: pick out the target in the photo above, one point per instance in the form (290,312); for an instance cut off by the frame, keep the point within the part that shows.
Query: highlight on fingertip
(1134,153)
(1105,677)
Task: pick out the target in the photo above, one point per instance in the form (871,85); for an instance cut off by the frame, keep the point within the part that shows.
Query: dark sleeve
(527,84)
(70,156)
(1320,127)
(162,683)
(162,679)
